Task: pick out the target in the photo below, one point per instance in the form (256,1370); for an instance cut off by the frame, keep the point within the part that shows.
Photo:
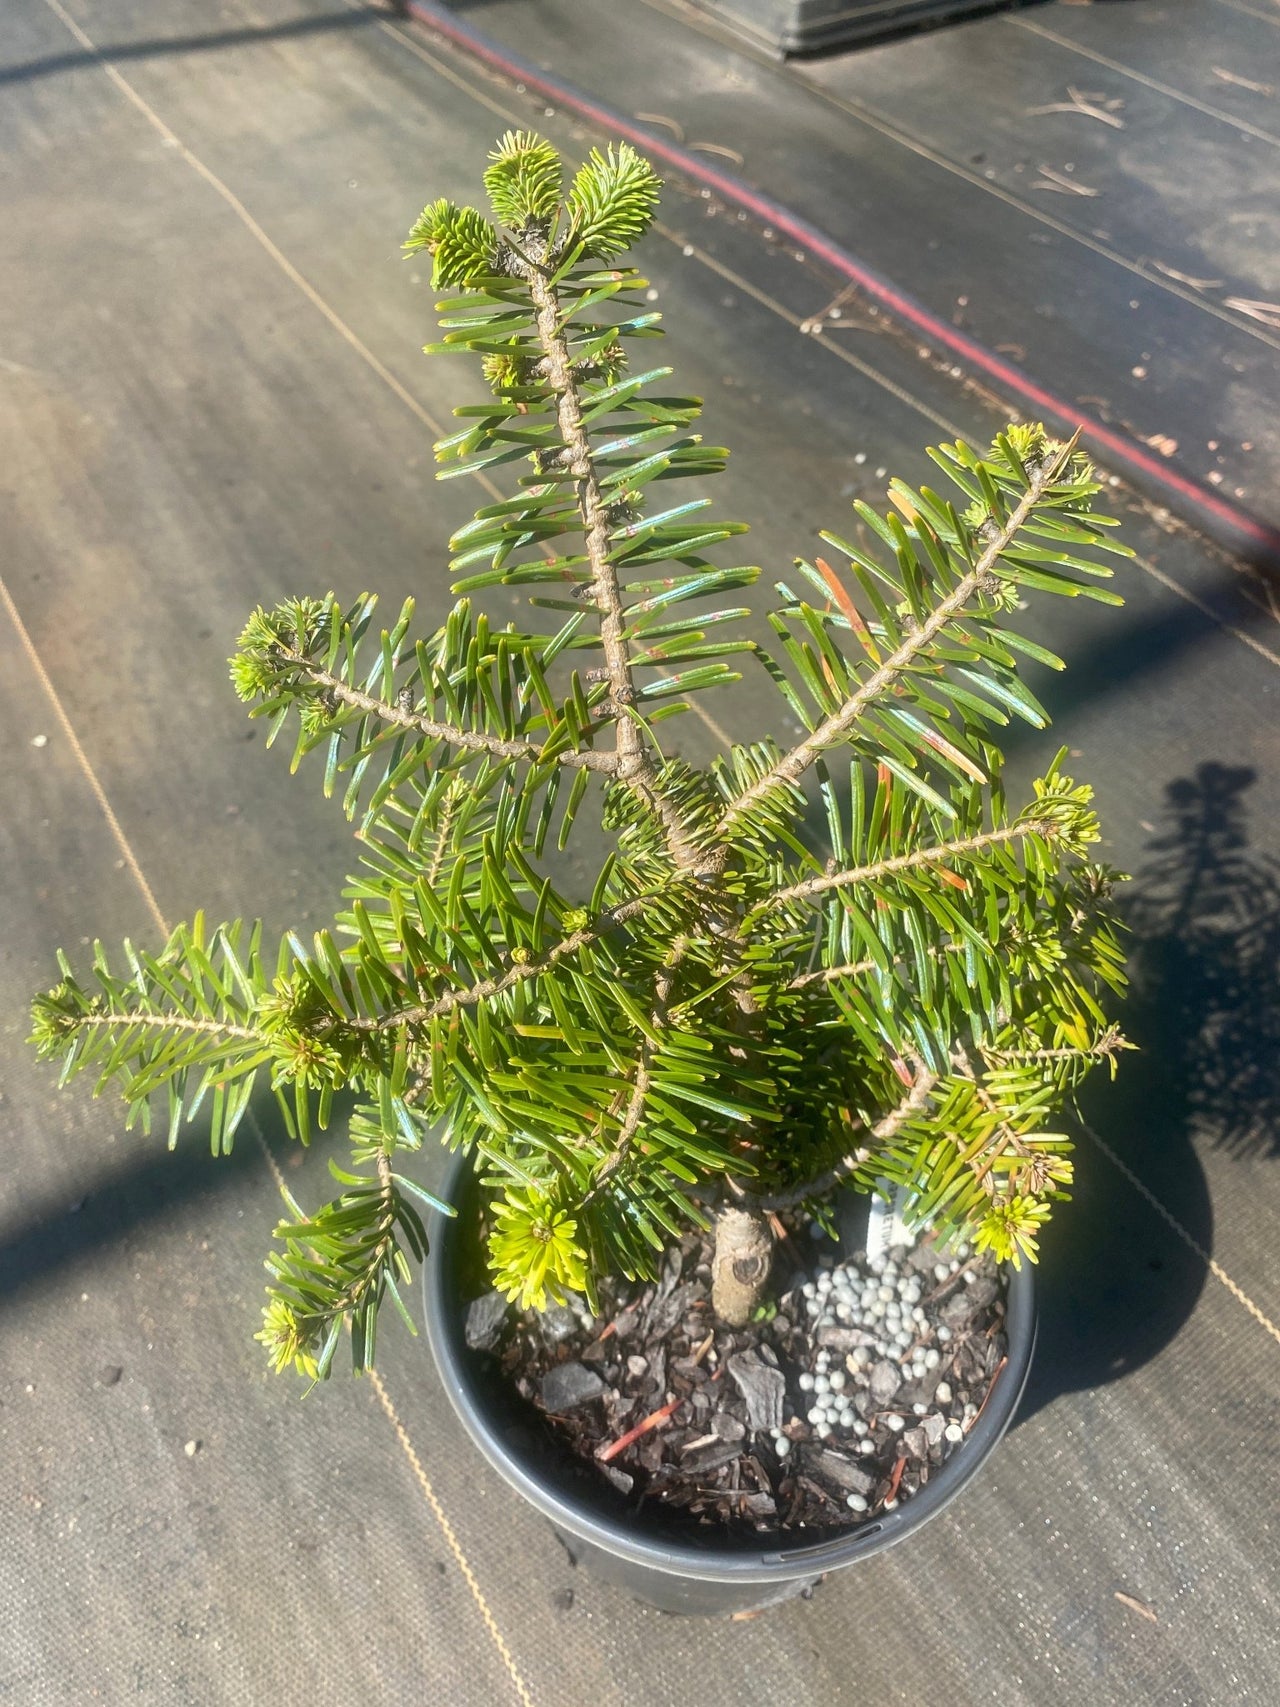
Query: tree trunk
(740,1265)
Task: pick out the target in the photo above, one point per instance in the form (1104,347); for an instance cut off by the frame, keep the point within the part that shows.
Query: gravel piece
(884,1381)
(839,1339)
(916,1442)
(485,1316)
(933,1427)
(557,1322)
(763,1387)
(565,1386)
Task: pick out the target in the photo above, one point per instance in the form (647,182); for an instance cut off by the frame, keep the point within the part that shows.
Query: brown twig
(655,1419)
(605,1333)
(895,1480)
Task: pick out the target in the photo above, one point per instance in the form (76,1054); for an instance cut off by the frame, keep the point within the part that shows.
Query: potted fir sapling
(844,962)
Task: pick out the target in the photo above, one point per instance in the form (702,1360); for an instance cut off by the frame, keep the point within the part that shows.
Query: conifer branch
(343,1257)
(578,460)
(632,763)
(533,967)
(1108,1044)
(884,1130)
(473,740)
(643,1081)
(165,1022)
(908,862)
(444,830)
(1006,1141)
(828,974)
(791,767)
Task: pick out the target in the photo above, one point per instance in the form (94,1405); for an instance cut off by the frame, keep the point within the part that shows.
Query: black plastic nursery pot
(668,1561)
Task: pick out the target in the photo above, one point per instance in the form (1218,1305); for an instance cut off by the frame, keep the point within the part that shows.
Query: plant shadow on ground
(150,1188)
(1117,1281)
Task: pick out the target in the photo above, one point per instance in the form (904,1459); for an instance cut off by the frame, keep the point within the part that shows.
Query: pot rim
(741,1562)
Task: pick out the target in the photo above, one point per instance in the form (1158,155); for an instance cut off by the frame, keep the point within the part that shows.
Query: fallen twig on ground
(1268,313)
(1137,1606)
(1186,278)
(1098,107)
(1242,82)
(1050,179)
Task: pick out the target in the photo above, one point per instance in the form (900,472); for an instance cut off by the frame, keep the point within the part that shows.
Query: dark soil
(677,1411)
